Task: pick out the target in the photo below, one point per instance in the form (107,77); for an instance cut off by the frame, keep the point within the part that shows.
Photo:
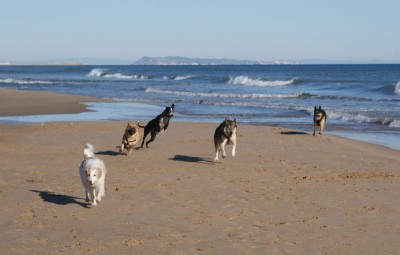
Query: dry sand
(285,192)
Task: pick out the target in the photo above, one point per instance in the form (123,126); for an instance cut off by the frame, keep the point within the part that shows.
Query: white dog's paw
(215,159)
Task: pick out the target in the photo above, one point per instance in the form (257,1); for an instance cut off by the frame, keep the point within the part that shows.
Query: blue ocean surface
(362,101)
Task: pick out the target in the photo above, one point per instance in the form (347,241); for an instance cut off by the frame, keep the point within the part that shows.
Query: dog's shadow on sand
(293,133)
(51,197)
(185,158)
(108,153)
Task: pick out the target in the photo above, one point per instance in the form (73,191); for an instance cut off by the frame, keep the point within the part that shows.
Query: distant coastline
(206,61)
(186,61)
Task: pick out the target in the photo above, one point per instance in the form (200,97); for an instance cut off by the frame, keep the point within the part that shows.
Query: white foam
(178,78)
(97,72)
(397,88)
(24,82)
(395,124)
(246,81)
(360,118)
(123,76)
(215,94)
(350,117)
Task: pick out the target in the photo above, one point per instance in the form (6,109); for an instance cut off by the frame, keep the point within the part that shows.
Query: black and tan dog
(225,134)
(130,138)
(158,124)
(319,119)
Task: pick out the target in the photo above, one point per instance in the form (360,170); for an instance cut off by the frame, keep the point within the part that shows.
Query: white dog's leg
(98,194)
(101,193)
(93,196)
(87,196)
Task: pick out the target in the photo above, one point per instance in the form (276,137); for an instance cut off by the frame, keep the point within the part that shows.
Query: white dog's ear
(98,172)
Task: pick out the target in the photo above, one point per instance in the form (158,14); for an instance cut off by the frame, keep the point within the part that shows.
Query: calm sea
(362,101)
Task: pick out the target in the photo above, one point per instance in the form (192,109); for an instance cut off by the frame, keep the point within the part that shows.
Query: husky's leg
(223,148)
(217,148)
(233,139)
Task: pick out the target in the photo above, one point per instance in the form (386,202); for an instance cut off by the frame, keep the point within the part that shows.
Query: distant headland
(205,61)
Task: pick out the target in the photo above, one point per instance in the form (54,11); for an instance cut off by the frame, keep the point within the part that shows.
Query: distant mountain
(193,61)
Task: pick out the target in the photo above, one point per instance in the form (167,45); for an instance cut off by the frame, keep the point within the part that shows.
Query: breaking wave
(397,88)
(246,81)
(223,95)
(177,78)
(97,72)
(24,82)
(360,118)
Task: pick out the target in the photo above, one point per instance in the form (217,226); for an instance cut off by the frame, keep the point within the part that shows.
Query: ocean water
(362,101)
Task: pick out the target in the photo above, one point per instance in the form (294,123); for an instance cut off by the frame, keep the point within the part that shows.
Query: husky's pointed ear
(319,108)
(234,120)
(172,106)
(315,108)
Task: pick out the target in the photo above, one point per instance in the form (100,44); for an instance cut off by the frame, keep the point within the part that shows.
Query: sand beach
(285,192)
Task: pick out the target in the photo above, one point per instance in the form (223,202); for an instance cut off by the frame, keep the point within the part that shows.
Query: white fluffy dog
(93,173)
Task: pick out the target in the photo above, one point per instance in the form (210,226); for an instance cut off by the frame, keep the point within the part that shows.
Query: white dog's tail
(88,151)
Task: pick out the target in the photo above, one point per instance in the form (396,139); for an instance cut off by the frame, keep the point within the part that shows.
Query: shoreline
(26,106)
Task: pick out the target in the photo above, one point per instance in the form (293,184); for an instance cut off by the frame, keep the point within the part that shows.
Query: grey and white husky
(225,134)
(319,119)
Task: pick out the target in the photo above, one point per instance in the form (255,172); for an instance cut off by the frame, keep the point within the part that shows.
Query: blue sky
(123,31)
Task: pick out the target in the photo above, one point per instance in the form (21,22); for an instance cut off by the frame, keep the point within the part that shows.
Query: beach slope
(284,193)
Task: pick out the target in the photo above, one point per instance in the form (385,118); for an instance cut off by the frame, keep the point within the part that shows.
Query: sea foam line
(24,82)
(97,72)
(178,78)
(360,118)
(215,94)
(246,81)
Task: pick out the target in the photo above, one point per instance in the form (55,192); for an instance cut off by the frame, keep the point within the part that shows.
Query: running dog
(130,138)
(158,124)
(225,134)
(319,119)
(93,173)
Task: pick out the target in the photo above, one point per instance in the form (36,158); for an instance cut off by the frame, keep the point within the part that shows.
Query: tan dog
(130,138)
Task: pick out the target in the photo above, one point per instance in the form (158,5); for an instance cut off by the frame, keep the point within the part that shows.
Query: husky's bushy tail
(88,151)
